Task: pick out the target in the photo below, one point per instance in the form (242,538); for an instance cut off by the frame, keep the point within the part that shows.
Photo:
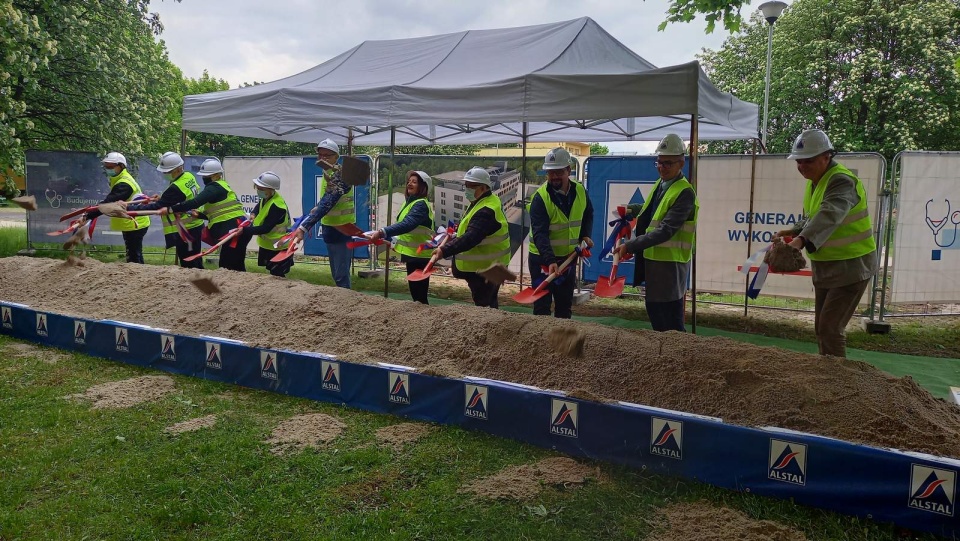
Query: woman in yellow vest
(666,224)
(837,233)
(218,204)
(414,226)
(483,238)
(270,222)
(124,188)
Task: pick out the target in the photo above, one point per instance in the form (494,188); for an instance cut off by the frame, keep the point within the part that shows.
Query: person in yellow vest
(837,233)
(335,208)
(414,226)
(666,227)
(271,218)
(124,188)
(218,204)
(561,216)
(183,187)
(483,238)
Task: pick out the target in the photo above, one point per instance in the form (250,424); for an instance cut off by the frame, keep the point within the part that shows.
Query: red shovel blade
(530,295)
(609,289)
(286,254)
(418,274)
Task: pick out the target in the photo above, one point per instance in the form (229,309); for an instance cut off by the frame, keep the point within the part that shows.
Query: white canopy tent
(566,81)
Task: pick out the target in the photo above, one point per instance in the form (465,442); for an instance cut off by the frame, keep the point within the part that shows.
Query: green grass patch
(71,472)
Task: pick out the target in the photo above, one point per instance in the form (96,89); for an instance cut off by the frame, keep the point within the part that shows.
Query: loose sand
(192,425)
(527,480)
(400,435)
(126,393)
(302,431)
(707,522)
(741,383)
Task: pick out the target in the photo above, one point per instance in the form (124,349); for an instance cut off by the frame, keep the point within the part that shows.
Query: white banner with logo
(240,172)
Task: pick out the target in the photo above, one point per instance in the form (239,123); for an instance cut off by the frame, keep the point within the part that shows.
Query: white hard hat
(169,161)
(810,143)
(268,179)
(329,145)
(478,175)
(671,145)
(557,158)
(210,166)
(115,157)
(424,177)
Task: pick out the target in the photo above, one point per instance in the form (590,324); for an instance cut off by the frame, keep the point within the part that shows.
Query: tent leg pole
(386,252)
(523,197)
(694,154)
(183,142)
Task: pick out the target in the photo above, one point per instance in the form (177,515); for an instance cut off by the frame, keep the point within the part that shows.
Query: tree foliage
(596,149)
(876,76)
(725,11)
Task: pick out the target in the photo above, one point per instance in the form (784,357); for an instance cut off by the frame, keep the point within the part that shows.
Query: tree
(876,76)
(727,11)
(596,149)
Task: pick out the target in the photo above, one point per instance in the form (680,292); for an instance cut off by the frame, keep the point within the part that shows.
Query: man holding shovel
(123,188)
(334,209)
(183,187)
(414,227)
(561,217)
(666,226)
(483,238)
(270,222)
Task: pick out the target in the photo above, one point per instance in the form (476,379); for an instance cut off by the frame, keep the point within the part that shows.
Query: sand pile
(741,383)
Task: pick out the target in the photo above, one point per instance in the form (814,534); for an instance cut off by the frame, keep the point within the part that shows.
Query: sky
(256,40)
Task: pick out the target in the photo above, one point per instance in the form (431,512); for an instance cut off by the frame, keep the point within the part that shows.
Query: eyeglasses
(666,163)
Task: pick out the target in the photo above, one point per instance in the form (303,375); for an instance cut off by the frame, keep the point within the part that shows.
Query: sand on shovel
(113,210)
(497,274)
(27,202)
(80,236)
(781,257)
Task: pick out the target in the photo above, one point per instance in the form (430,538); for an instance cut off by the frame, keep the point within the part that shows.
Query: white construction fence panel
(926,260)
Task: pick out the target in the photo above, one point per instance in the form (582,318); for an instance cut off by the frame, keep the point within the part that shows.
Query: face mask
(262,194)
(168,176)
(112,172)
(470,194)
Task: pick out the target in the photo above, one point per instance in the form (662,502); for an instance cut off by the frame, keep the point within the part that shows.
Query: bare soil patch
(192,425)
(527,480)
(705,521)
(738,382)
(302,431)
(24,351)
(126,393)
(400,435)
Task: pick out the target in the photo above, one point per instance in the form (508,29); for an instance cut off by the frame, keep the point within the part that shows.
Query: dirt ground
(741,383)
(526,481)
(126,393)
(707,522)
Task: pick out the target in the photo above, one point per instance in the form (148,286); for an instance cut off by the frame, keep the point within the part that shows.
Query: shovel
(612,287)
(418,274)
(531,294)
(77,212)
(69,229)
(360,242)
(291,249)
(226,238)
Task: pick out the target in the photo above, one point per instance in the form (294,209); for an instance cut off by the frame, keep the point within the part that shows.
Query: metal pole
(753,183)
(694,155)
(892,201)
(386,259)
(766,87)
(183,142)
(523,197)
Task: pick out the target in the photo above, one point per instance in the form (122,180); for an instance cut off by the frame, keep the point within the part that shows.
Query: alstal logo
(477,401)
(331,376)
(932,489)
(79,332)
(788,462)
(268,365)
(168,348)
(41,324)
(213,356)
(666,438)
(399,388)
(564,419)
(123,343)
(6,316)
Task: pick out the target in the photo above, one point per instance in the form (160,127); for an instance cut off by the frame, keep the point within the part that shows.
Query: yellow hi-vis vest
(679,247)
(342,212)
(266,240)
(493,249)
(564,230)
(854,237)
(188,186)
(408,243)
(228,208)
(126,224)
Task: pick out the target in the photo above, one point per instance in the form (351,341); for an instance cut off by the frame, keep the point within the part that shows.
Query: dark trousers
(133,242)
(183,250)
(418,288)
(483,292)
(561,294)
(232,257)
(666,316)
(275,269)
(834,308)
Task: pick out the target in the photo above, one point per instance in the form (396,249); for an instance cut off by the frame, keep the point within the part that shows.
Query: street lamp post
(771,12)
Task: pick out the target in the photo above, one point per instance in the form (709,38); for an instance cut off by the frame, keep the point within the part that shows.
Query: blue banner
(313,243)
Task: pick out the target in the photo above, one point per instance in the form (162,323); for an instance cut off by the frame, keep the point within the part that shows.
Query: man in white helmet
(218,204)
(665,236)
(334,211)
(483,238)
(561,216)
(837,233)
(123,187)
(414,227)
(183,187)
(271,218)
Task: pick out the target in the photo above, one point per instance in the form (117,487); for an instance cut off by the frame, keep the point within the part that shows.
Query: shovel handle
(553,275)
(226,238)
(77,212)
